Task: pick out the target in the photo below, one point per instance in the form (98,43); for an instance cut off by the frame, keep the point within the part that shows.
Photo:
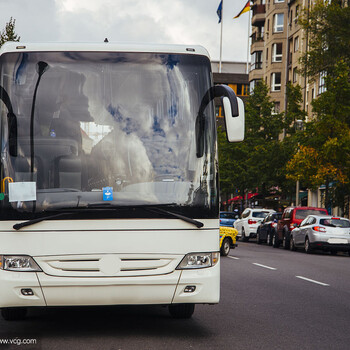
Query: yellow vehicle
(227,239)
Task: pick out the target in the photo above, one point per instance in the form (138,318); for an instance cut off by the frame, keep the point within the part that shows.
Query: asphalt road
(270,299)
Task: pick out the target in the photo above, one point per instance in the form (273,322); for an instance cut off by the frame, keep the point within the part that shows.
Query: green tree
(8,34)
(258,161)
(324,158)
(328,33)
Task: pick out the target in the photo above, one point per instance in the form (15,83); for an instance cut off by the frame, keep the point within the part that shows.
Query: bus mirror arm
(12,131)
(233,111)
(12,122)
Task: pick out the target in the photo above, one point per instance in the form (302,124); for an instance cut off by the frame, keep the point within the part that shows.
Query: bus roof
(11,46)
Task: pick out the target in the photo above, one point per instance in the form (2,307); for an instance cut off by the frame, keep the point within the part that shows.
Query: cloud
(166,21)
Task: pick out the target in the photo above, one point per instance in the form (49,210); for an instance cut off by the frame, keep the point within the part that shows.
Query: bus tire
(181,310)
(13,313)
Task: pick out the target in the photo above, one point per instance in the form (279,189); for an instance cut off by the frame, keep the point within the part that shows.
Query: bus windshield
(105,128)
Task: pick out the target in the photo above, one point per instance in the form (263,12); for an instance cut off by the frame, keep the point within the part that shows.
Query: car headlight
(198,260)
(23,263)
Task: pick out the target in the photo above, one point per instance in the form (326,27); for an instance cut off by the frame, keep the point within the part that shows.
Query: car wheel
(244,238)
(268,239)
(258,240)
(307,246)
(181,310)
(286,242)
(275,242)
(225,247)
(13,313)
(292,245)
(334,252)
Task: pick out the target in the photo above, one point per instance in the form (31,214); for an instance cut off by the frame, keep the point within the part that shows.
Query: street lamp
(299,126)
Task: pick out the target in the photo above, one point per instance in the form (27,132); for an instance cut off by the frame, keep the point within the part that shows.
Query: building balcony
(257,45)
(258,17)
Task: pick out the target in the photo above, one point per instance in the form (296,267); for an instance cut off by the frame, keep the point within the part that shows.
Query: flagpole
(247,68)
(222,21)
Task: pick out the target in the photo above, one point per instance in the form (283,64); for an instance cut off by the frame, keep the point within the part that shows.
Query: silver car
(324,232)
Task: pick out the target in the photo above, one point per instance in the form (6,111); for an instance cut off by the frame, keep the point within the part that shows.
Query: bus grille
(108,265)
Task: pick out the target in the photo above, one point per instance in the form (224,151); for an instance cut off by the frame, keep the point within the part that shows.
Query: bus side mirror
(234,124)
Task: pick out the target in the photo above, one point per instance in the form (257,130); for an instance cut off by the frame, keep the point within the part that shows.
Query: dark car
(227,218)
(291,218)
(267,228)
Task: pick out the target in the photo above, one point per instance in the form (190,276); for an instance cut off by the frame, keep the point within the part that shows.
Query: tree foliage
(328,31)
(259,161)
(8,34)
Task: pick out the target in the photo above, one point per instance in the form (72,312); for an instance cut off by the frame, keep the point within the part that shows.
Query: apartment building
(277,41)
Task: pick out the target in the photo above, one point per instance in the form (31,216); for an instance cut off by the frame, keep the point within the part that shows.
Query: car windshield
(106,128)
(260,214)
(343,223)
(301,214)
(227,215)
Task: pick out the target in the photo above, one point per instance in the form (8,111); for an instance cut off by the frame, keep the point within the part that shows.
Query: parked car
(291,218)
(267,228)
(249,221)
(227,218)
(227,239)
(327,233)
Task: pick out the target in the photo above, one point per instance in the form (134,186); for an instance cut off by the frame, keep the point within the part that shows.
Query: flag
(219,11)
(246,8)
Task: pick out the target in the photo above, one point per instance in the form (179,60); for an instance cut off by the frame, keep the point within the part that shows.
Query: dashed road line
(264,266)
(313,281)
(233,257)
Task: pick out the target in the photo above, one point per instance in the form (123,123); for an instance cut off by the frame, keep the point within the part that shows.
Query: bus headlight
(18,263)
(198,261)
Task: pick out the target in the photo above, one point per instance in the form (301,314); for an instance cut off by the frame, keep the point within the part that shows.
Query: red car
(291,218)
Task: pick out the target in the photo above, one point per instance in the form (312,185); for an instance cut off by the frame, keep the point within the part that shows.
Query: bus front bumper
(74,291)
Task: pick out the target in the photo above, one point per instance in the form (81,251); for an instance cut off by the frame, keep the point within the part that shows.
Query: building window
(321,82)
(277,1)
(256,60)
(252,84)
(276,82)
(276,108)
(296,44)
(296,14)
(295,75)
(278,20)
(277,52)
(267,54)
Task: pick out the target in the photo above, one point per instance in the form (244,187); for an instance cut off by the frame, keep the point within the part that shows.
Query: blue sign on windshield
(107,193)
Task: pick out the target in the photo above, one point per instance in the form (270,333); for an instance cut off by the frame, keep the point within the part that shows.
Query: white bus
(109,176)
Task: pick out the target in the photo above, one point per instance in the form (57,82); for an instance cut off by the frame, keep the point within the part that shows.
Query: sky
(190,22)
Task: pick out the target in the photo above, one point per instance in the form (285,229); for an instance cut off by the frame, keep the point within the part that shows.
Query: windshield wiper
(34,221)
(156,208)
(176,215)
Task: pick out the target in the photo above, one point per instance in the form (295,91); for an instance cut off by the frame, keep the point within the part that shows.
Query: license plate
(337,241)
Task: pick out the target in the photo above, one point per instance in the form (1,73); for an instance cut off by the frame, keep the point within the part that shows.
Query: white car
(318,232)
(247,225)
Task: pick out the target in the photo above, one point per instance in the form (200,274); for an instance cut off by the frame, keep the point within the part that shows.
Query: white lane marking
(264,266)
(232,257)
(313,281)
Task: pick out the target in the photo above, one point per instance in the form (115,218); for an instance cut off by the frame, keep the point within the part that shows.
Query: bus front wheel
(181,310)
(13,313)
